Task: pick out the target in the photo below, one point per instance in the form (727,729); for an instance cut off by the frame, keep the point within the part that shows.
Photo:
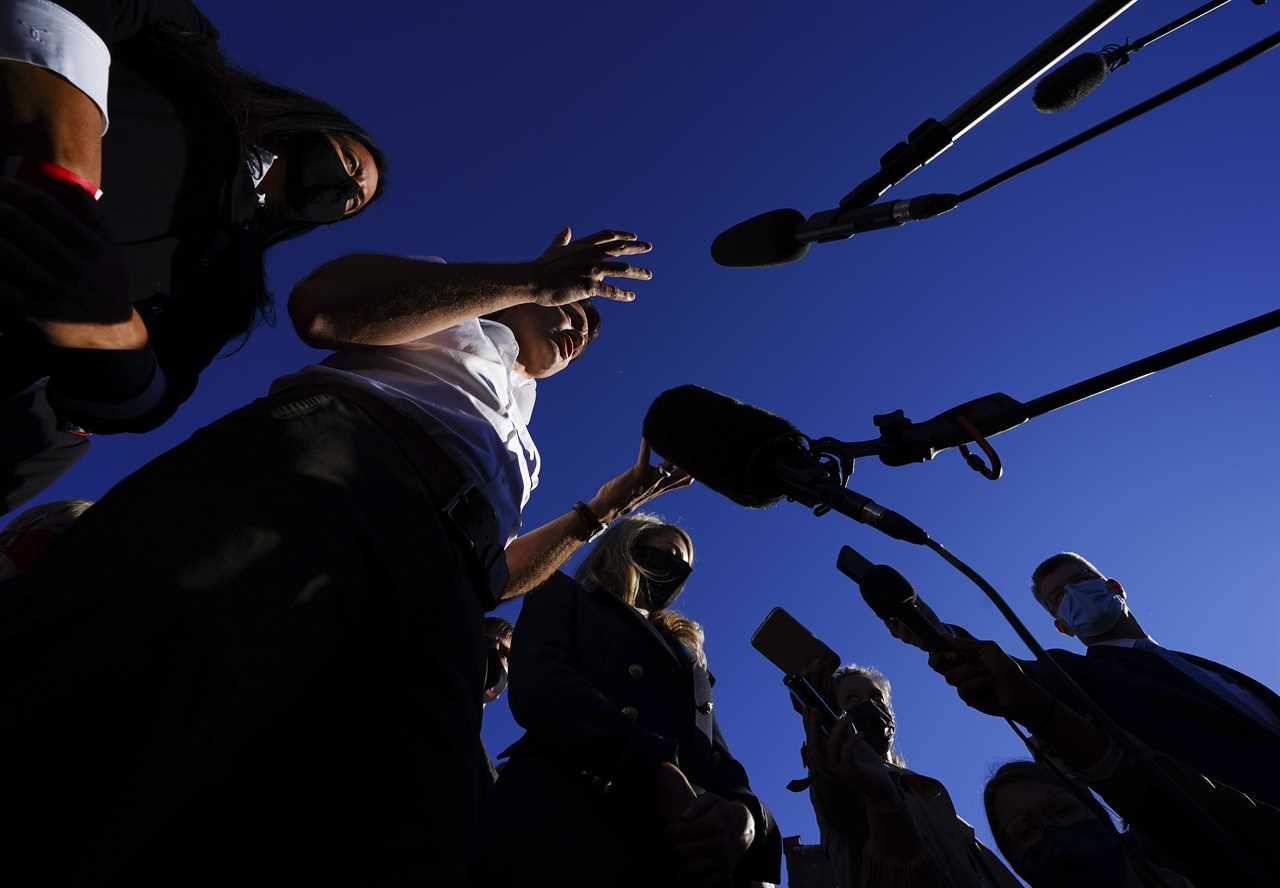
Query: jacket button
(630,713)
(635,670)
(705,708)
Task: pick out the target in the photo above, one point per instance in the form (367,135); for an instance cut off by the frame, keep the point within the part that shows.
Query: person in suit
(1220,722)
(622,777)
(134,240)
(1180,825)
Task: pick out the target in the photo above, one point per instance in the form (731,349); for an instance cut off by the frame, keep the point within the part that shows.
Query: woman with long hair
(134,242)
(622,777)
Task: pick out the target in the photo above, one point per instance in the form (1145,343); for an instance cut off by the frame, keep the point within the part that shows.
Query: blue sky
(506,121)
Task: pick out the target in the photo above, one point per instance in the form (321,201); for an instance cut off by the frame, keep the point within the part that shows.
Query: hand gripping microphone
(891,597)
(756,458)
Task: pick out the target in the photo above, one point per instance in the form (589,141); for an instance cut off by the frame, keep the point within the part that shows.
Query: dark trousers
(255,661)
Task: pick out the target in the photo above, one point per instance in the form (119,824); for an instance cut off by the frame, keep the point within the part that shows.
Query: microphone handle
(914,619)
(842,223)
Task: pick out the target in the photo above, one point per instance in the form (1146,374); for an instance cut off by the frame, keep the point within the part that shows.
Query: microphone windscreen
(767,239)
(886,591)
(729,446)
(1063,87)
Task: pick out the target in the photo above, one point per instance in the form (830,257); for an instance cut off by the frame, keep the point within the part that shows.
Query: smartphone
(852,564)
(807,697)
(790,646)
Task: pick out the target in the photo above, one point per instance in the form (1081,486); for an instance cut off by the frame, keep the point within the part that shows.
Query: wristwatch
(594,525)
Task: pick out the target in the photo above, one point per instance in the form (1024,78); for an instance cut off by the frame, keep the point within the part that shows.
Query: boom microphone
(731,447)
(1062,88)
(782,236)
(756,458)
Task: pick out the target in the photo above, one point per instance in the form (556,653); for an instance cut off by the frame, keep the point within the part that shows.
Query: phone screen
(790,646)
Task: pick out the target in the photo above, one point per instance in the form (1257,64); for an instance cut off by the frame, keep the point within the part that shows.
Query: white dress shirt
(462,386)
(42,33)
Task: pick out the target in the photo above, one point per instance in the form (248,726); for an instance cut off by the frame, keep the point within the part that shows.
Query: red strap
(49,170)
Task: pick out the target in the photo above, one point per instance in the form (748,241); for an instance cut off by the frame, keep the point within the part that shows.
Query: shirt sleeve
(44,34)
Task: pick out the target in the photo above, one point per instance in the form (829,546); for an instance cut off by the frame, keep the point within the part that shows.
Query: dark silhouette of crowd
(283,681)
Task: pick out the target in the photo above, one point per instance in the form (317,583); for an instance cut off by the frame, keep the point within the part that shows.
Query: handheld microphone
(891,597)
(756,458)
(782,236)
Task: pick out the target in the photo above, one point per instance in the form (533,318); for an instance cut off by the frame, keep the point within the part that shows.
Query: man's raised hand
(572,270)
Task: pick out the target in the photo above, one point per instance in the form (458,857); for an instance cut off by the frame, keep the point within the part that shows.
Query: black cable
(1166,30)
(1222,67)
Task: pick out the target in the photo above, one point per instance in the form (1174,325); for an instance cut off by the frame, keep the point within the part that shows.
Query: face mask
(495,675)
(874,723)
(316,186)
(667,574)
(1088,853)
(1090,608)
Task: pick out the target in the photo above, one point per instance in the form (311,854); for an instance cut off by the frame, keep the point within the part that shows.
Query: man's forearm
(534,556)
(377,300)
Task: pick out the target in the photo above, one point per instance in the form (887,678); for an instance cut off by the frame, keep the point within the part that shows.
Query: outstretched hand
(639,484)
(572,270)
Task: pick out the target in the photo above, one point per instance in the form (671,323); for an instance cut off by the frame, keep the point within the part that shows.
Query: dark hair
(1052,563)
(264,114)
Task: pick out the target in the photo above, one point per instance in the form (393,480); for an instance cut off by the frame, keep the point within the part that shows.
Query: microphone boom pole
(931,138)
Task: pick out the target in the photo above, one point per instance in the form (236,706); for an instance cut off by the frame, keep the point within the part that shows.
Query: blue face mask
(1090,608)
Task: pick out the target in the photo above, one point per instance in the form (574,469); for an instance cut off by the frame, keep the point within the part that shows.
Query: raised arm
(367,299)
(534,556)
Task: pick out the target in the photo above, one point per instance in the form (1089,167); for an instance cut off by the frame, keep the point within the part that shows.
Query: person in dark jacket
(111,308)
(1215,834)
(1219,721)
(623,777)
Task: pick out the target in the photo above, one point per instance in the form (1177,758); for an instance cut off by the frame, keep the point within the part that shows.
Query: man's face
(1052,585)
(549,338)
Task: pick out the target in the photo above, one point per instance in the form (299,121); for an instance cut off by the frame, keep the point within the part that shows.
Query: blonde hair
(611,566)
(877,678)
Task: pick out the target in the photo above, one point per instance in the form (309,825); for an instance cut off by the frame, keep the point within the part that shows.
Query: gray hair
(881,681)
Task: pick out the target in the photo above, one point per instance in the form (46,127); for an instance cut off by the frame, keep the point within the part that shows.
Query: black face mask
(874,723)
(317,185)
(1089,853)
(495,675)
(667,576)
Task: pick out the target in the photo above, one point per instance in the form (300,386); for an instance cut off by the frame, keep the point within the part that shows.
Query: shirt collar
(1126,642)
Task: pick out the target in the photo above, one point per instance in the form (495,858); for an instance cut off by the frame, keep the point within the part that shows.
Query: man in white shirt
(1221,722)
(286,669)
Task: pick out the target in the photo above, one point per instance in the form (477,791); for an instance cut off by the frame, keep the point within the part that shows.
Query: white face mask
(1090,608)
